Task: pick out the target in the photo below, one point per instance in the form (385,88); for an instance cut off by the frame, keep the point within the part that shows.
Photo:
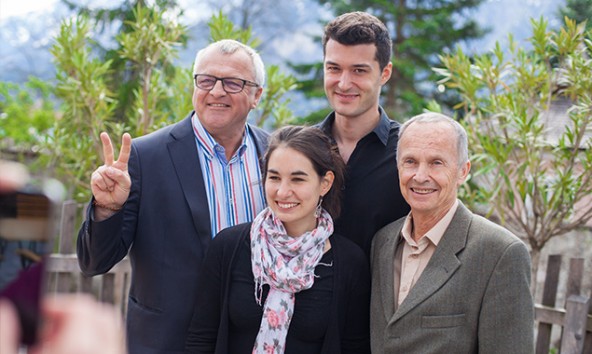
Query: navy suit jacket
(165,226)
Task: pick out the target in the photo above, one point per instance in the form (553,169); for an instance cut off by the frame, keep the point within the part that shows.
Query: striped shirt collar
(210,146)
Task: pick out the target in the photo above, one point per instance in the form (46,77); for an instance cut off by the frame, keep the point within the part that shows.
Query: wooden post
(66,239)
(108,288)
(543,340)
(588,340)
(64,281)
(574,329)
(574,281)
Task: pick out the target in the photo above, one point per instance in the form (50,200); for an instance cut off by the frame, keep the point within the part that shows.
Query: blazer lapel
(183,152)
(386,269)
(442,265)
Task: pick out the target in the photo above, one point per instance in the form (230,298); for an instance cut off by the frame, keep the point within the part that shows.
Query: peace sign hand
(111,182)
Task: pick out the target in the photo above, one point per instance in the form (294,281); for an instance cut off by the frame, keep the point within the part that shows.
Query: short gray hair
(230,46)
(462,143)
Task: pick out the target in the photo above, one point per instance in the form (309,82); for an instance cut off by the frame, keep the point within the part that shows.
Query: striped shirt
(234,188)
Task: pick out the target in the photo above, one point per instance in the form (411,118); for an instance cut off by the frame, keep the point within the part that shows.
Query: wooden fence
(63,271)
(572,319)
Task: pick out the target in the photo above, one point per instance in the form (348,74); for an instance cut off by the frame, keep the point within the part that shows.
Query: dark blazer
(165,226)
(348,324)
(473,296)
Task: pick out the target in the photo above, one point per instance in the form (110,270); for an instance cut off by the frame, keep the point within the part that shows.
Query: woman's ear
(327,182)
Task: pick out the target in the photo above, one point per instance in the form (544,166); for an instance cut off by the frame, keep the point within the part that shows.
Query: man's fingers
(110,179)
(107,149)
(102,180)
(126,147)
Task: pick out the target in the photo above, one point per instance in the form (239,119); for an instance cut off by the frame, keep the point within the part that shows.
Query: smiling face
(429,171)
(293,189)
(219,112)
(353,78)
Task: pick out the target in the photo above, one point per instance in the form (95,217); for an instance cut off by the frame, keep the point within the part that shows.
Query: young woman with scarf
(285,283)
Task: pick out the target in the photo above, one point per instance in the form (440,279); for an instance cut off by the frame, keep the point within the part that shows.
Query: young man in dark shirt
(357,50)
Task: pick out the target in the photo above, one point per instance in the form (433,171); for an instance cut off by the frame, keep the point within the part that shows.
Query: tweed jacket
(473,296)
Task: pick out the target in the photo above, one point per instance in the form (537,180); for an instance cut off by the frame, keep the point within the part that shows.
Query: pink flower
(273,318)
(269,349)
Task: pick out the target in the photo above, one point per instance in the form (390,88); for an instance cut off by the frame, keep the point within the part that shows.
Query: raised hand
(111,182)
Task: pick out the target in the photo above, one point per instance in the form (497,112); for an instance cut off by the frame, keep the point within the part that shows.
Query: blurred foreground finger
(79,324)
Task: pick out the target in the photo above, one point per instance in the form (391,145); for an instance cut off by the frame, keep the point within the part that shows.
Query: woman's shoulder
(231,235)
(352,266)
(346,248)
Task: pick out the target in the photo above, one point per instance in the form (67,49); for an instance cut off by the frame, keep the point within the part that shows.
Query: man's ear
(464,172)
(386,73)
(258,94)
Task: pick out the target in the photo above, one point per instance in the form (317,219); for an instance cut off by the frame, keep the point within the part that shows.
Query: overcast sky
(502,16)
(9,8)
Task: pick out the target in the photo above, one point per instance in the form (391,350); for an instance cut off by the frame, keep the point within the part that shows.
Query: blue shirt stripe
(234,188)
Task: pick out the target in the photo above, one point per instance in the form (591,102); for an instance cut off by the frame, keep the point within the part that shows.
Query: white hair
(433,117)
(230,46)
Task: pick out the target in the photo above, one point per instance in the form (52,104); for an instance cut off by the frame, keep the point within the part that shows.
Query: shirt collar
(436,233)
(381,130)
(209,145)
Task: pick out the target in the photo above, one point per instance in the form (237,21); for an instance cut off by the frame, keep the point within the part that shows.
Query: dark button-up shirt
(371,197)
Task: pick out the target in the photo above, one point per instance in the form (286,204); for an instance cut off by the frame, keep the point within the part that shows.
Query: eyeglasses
(229,84)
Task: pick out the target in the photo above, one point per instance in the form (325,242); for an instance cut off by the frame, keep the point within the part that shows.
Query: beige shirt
(411,262)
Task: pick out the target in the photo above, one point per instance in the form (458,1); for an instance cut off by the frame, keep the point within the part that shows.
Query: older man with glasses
(169,193)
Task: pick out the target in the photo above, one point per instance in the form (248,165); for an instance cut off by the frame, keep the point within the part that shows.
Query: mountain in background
(287,34)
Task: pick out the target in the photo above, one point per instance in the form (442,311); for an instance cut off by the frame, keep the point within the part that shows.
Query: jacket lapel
(386,269)
(442,265)
(260,137)
(183,151)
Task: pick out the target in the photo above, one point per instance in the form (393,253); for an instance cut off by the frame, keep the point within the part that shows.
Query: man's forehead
(428,136)
(350,54)
(230,63)
(436,128)
(345,63)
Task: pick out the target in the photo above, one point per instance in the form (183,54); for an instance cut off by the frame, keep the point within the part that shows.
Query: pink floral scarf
(287,264)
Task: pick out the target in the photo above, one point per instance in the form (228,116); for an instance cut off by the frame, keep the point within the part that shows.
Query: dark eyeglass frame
(225,83)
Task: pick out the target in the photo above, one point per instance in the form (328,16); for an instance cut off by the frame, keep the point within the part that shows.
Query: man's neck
(422,223)
(230,144)
(229,138)
(347,131)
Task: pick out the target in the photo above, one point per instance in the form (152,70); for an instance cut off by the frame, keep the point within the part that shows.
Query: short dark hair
(322,153)
(360,28)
